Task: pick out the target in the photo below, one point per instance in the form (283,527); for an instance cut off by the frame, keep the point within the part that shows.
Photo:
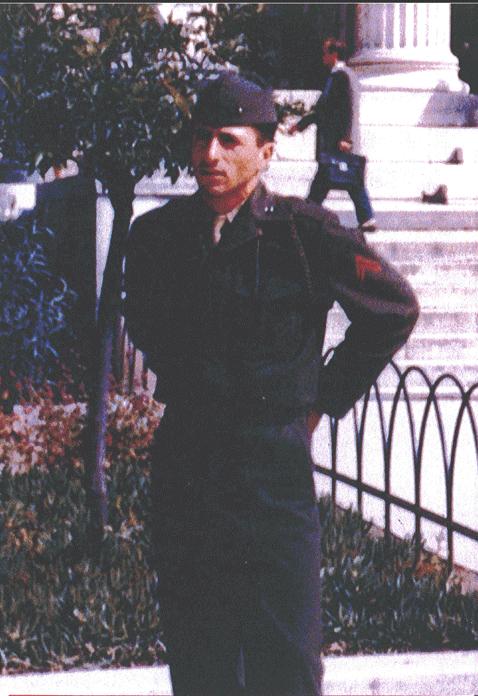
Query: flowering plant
(44,434)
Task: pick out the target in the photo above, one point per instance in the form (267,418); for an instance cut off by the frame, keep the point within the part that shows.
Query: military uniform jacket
(236,326)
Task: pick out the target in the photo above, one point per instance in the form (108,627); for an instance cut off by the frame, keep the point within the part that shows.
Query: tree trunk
(121,193)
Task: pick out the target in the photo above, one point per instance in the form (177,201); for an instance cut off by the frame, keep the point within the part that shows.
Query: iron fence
(417,432)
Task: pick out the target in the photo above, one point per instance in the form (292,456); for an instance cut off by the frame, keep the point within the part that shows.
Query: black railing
(418,432)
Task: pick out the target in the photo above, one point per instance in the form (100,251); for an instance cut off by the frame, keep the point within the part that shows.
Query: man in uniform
(227,291)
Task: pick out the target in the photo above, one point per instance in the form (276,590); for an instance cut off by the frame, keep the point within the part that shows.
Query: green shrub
(60,608)
(376,598)
(34,305)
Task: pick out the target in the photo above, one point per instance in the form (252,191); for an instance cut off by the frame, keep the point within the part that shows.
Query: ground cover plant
(65,605)
(35,306)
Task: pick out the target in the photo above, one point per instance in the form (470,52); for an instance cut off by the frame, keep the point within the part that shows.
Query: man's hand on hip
(313,420)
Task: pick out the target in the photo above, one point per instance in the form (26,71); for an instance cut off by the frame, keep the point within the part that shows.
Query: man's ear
(267,151)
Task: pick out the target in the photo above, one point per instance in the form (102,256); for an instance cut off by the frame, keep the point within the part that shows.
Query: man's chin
(213,188)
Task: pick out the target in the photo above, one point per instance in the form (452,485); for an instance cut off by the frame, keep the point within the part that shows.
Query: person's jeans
(359,195)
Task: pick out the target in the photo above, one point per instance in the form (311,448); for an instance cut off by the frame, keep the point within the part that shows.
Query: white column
(405,45)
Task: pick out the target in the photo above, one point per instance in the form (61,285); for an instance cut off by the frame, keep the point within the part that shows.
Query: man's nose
(212,149)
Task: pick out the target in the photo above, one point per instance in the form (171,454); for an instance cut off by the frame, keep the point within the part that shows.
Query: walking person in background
(336,115)
(227,292)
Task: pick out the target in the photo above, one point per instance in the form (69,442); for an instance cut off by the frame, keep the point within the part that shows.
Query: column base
(419,88)
(389,106)
(418,70)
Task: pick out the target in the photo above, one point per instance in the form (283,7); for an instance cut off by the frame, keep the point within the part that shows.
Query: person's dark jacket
(332,113)
(236,325)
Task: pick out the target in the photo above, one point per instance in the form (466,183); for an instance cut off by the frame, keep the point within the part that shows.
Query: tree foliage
(107,85)
(240,34)
(111,85)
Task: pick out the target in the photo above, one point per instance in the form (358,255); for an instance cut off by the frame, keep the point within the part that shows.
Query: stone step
(441,346)
(464,269)
(441,266)
(465,371)
(459,321)
(435,346)
(424,246)
(437,299)
(407,214)
(459,265)
(422,108)
(429,282)
(433,108)
(417,144)
(390,180)
(430,322)
(385,143)
(402,180)
(445,300)
(411,673)
(439,277)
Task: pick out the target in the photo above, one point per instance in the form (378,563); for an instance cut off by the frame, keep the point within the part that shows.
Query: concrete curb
(420,674)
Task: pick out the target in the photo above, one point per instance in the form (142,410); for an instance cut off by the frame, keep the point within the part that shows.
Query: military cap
(231,100)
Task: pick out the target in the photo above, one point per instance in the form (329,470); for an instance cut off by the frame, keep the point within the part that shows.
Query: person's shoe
(369,225)
(456,156)
(439,196)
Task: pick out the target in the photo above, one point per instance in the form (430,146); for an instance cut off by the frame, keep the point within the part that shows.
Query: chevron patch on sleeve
(364,265)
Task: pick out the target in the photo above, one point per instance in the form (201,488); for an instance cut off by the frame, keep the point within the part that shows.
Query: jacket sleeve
(310,118)
(381,307)
(314,115)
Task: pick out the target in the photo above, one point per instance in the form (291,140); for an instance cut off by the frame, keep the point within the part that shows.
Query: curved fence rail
(420,421)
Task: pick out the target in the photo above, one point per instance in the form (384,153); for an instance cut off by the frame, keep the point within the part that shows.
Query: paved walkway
(421,674)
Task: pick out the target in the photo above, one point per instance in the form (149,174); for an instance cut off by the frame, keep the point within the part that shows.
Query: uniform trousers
(236,532)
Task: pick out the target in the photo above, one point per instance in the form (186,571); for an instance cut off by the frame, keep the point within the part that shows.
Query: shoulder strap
(302,257)
(270,207)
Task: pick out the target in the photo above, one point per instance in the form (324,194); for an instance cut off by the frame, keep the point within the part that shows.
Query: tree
(105,85)
(111,87)
(245,35)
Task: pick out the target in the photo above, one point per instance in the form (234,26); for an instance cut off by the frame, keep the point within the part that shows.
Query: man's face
(328,59)
(228,160)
